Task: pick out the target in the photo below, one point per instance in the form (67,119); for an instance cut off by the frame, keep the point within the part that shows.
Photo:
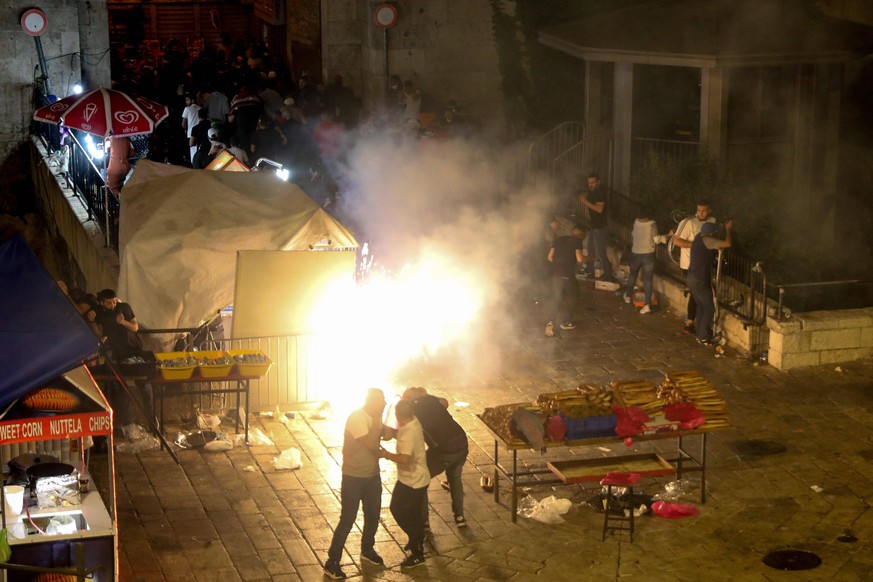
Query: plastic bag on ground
(257,437)
(548,510)
(138,439)
(675,490)
(673,510)
(289,459)
(206,421)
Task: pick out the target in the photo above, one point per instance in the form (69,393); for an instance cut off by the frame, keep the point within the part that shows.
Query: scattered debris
(816,488)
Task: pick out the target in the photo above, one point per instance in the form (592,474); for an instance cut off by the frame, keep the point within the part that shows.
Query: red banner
(55,427)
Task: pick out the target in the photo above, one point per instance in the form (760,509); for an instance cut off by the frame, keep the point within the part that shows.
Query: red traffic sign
(385,16)
(34,22)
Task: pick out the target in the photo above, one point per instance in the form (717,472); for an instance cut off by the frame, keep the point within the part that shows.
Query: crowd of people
(699,237)
(240,98)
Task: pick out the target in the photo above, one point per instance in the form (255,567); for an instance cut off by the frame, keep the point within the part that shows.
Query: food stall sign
(56,427)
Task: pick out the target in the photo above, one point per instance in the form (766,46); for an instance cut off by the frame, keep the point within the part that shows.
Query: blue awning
(41,333)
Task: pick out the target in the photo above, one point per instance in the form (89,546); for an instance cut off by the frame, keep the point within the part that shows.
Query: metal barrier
(86,179)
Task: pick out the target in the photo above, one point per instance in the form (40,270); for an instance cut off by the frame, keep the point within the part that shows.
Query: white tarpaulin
(180,230)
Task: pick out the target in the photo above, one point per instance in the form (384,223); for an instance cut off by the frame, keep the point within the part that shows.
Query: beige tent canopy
(180,231)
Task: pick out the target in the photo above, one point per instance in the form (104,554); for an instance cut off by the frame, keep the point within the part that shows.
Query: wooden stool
(614,518)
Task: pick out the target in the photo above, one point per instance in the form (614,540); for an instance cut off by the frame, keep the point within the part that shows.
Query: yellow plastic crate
(212,370)
(255,368)
(175,372)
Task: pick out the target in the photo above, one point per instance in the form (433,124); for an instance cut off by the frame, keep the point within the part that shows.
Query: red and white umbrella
(104,112)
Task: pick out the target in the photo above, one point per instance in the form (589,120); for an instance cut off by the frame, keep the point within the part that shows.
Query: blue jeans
(597,248)
(356,491)
(701,291)
(646,264)
(454,463)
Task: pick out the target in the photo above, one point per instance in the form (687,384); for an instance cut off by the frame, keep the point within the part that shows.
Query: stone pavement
(233,516)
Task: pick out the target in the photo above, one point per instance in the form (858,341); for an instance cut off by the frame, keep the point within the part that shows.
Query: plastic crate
(590,427)
(250,369)
(176,372)
(212,370)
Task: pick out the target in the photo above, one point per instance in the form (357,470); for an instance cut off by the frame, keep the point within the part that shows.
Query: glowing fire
(369,330)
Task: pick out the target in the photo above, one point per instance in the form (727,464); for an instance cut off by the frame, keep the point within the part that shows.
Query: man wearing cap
(699,278)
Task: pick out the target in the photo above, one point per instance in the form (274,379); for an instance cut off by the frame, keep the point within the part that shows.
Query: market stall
(50,409)
(569,427)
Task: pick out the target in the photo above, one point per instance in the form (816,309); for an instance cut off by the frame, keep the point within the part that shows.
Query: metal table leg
(514,486)
(496,474)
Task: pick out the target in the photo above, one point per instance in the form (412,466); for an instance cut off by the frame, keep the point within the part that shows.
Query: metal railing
(88,182)
(819,295)
(544,150)
(644,149)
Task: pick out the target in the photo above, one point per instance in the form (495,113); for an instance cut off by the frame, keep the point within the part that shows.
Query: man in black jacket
(447,440)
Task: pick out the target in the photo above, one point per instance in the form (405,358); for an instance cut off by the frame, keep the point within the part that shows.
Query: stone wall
(444,46)
(821,337)
(18,70)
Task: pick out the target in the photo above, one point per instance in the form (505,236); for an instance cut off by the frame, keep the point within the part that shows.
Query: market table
(685,461)
(236,384)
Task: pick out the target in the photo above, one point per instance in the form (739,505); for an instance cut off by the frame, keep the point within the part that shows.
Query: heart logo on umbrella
(126,117)
(90,110)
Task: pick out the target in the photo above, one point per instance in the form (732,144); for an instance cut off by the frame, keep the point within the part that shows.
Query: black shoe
(412,561)
(460,521)
(706,342)
(426,528)
(333,571)
(372,557)
(689,329)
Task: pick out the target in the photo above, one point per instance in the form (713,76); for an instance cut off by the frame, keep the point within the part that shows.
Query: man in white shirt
(687,230)
(361,484)
(413,478)
(189,120)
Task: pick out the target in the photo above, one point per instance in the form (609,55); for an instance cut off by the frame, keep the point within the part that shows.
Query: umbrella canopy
(104,112)
(41,334)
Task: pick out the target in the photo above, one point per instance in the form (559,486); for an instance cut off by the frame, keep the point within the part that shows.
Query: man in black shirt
(564,254)
(699,278)
(446,438)
(595,199)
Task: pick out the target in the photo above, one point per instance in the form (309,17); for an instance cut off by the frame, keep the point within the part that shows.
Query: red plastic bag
(674,510)
(629,421)
(688,415)
(556,429)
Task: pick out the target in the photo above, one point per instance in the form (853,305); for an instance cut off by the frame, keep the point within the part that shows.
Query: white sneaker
(646,309)
(626,298)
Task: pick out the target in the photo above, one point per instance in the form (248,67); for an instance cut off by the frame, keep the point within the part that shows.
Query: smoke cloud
(458,204)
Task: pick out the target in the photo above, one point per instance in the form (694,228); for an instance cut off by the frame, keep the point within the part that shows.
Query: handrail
(781,287)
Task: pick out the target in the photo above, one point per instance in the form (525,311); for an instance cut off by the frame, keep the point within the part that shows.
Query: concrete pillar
(624,100)
(94,44)
(593,97)
(713,113)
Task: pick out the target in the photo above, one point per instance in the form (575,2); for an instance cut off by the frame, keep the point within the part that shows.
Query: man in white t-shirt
(189,120)
(687,230)
(413,478)
(361,484)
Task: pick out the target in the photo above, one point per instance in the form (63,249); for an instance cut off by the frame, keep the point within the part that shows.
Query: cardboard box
(606,286)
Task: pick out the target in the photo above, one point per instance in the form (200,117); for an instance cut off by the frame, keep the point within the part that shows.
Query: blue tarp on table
(41,333)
